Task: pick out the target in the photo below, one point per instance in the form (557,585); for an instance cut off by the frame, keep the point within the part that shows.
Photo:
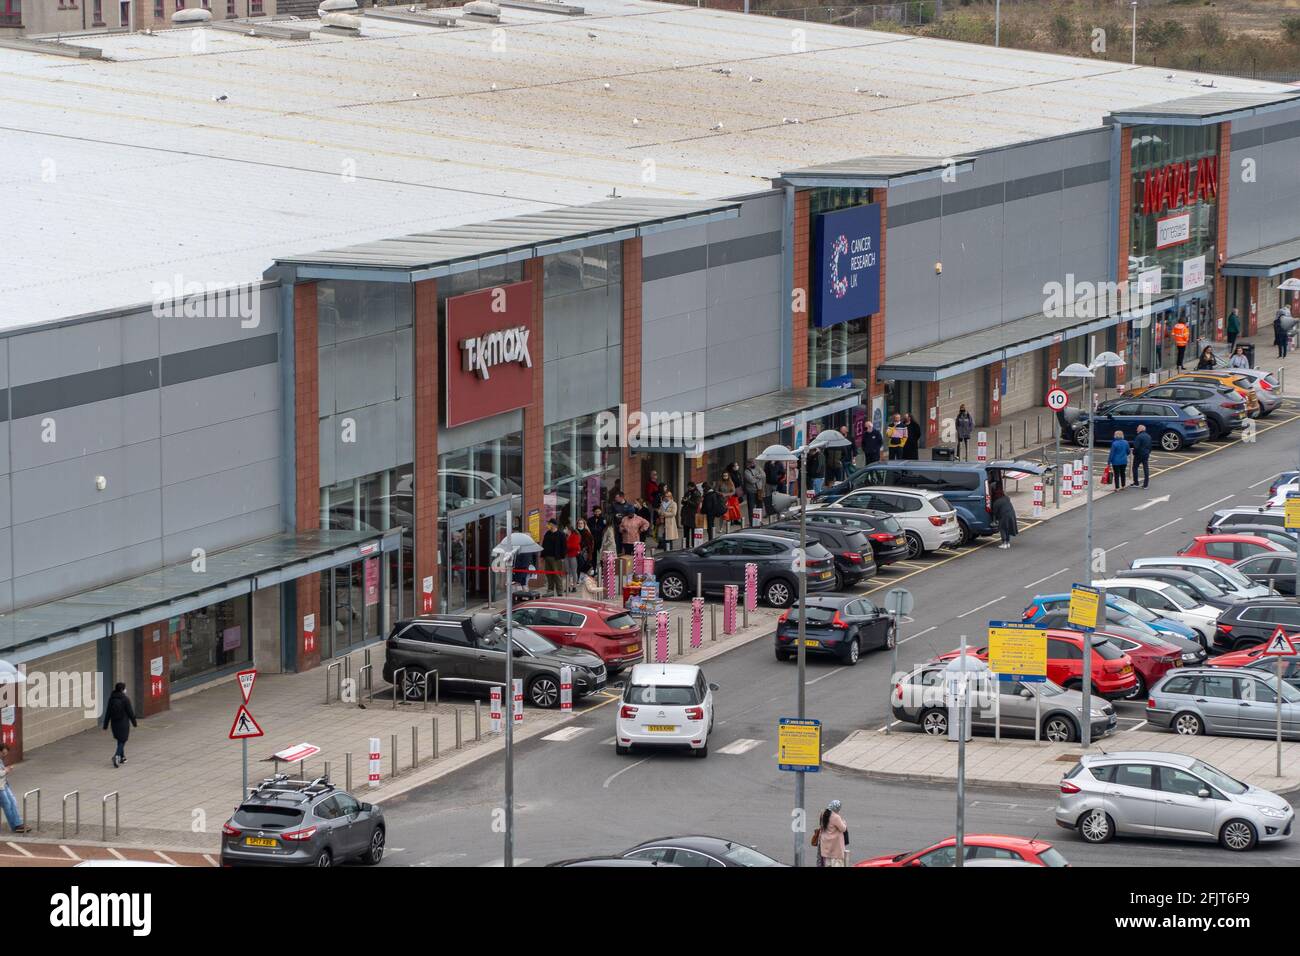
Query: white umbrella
(10,674)
(1290,285)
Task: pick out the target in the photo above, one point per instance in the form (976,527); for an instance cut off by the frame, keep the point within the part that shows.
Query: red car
(1240,658)
(1113,676)
(979,846)
(1152,658)
(606,630)
(1229,548)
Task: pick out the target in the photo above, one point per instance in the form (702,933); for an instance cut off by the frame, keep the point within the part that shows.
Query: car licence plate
(900,540)
(633,648)
(826,574)
(1128,669)
(661,728)
(260,841)
(812,643)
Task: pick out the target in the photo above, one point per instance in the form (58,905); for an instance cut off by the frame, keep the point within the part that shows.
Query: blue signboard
(847,267)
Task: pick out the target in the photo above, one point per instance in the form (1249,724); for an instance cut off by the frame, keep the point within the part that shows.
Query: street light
(504,554)
(830,438)
(1134,5)
(1089,373)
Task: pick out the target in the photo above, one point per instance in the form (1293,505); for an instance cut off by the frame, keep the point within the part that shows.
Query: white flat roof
(129,171)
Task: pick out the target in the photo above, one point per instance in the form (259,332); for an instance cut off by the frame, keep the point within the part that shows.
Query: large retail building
(290,324)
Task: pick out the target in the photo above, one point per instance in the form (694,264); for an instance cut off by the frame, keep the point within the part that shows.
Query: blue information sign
(848,265)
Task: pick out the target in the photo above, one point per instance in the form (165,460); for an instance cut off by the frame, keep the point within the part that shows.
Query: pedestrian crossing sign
(244,725)
(1279,645)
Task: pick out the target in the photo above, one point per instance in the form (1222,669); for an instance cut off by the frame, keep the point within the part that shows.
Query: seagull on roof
(590,35)
(606,86)
(756,79)
(635,121)
(715,127)
(220,99)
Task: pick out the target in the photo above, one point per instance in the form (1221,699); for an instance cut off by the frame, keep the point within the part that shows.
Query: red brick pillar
(1125,206)
(153,651)
(535,413)
(630,465)
(992,388)
(1219,317)
(427,368)
(306,354)
(876,324)
(12,733)
(802,291)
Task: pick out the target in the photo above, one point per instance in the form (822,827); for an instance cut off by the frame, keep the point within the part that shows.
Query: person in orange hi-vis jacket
(1181,336)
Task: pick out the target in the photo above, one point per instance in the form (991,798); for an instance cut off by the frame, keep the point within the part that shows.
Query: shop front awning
(43,629)
(964,353)
(696,433)
(1265,263)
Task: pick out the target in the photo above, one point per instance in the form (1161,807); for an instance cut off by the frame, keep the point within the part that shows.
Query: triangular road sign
(244,725)
(246,680)
(1279,645)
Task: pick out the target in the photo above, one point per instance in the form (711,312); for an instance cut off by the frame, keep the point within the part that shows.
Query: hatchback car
(1253,622)
(699,851)
(1230,702)
(888,543)
(1276,571)
(1157,643)
(1224,520)
(1157,794)
(928,520)
(722,561)
(851,548)
(1224,407)
(1268,388)
(1228,548)
(1198,587)
(835,626)
(977,848)
(1130,609)
(1163,599)
(605,630)
(1113,676)
(1171,426)
(1244,385)
(1279,536)
(665,705)
(1236,586)
(288,822)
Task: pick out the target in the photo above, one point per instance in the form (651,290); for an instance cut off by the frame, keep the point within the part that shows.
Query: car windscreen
(663,694)
(1217,778)
(1106,650)
(531,641)
(1131,607)
(1235,576)
(890,525)
(744,856)
(816,615)
(1205,587)
(1052,857)
(263,817)
(620,621)
(941,504)
(817,551)
(1180,599)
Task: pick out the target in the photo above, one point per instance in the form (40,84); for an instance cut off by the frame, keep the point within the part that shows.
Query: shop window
(209,641)
(590,268)
(578,473)
(481,473)
(11,13)
(158,9)
(840,355)
(254,8)
(97,14)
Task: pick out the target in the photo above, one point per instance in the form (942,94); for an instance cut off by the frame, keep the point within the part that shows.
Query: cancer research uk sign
(848,265)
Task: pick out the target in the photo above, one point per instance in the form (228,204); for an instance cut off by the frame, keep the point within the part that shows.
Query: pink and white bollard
(751,586)
(494,708)
(611,577)
(730,593)
(519,700)
(648,567)
(661,637)
(638,556)
(1038,499)
(697,537)
(1078,477)
(981,446)
(375,756)
(566,688)
(1067,481)
(697,623)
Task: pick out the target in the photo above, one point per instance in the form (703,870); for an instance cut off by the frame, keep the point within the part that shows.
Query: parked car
(1224,520)
(722,561)
(1268,390)
(288,822)
(927,519)
(1161,625)
(605,630)
(918,698)
(835,625)
(1253,622)
(888,543)
(1283,478)
(1198,587)
(1276,571)
(1282,538)
(614,861)
(699,851)
(469,654)
(977,848)
(665,705)
(1136,793)
(1235,585)
(1165,600)
(1229,548)
(850,547)
(1224,407)
(1172,426)
(1233,702)
(967,486)
(1256,659)
(1152,657)
(1191,652)
(1115,618)
(1243,384)
(1113,676)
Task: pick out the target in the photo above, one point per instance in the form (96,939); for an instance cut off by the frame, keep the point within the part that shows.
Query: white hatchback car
(1162,598)
(665,705)
(927,517)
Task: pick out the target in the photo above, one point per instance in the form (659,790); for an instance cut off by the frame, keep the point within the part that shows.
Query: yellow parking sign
(1292,517)
(1017,649)
(799,744)
(1085,606)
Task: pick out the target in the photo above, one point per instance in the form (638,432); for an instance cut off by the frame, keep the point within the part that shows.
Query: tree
(1062,31)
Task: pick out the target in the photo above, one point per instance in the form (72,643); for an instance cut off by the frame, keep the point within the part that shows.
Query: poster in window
(372,581)
(231,638)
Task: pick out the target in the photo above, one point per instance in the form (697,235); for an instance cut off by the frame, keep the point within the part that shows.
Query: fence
(910,13)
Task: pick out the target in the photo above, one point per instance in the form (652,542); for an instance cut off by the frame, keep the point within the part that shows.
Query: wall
(583,314)
(44,724)
(711,305)
(1020,219)
(1264,211)
(181,416)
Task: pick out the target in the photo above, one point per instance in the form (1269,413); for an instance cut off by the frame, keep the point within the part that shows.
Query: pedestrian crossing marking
(518,861)
(566,733)
(738,747)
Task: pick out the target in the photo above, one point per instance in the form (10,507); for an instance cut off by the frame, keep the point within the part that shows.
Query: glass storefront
(840,356)
(578,473)
(481,473)
(213,639)
(476,486)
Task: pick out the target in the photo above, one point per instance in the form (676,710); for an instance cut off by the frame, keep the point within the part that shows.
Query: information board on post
(799,744)
(1018,651)
(1085,607)
(1291,518)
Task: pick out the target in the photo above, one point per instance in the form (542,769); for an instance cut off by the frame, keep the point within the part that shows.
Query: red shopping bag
(1105,476)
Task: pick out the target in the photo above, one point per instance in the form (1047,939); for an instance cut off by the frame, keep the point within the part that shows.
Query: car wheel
(967,536)
(325,859)
(672,586)
(853,653)
(621,750)
(1216,430)
(413,684)
(1237,835)
(1096,826)
(1171,440)
(1059,730)
(778,593)
(1187,724)
(544,691)
(915,547)
(840,583)
(376,851)
(782,655)
(935,723)
(1081,437)
(1140,688)
(702,752)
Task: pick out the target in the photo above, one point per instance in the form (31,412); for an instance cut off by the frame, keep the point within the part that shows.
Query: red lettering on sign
(1173,187)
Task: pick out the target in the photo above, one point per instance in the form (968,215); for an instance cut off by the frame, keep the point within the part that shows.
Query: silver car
(1228,701)
(1173,795)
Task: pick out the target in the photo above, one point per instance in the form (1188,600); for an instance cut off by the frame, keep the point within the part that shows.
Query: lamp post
(826,439)
(1089,373)
(514,544)
(1134,5)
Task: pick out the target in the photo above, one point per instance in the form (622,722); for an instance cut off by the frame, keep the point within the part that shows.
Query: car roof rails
(283,783)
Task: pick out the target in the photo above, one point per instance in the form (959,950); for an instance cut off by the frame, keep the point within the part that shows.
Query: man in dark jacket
(912,447)
(555,548)
(597,524)
(1142,456)
(872,442)
(119,714)
(714,507)
(815,469)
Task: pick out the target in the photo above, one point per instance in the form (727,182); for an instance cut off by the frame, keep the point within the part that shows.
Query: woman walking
(1118,459)
(1004,516)
(1239,359)
(832,837)
(1207,359)
(119,714)
(668,511)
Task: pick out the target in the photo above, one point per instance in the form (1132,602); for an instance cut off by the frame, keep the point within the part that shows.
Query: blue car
(1171,426)
(1045,603)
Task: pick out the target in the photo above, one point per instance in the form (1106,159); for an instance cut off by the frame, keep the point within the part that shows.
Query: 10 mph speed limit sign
(1057,399)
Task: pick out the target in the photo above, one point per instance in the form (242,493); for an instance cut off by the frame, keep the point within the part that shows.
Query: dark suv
(888,540)
(850,547)
(1253,622)
(722,561)
(468,652)
(288,822)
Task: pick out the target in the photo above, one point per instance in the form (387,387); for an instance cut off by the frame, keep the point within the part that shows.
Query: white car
(927,517)
(665,705)
(1162,598)
(1235,584)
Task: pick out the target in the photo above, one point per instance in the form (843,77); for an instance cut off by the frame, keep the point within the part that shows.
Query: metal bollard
(327,771)
(459,740)
(37,791)
(394,741)
(335,668)
(347,772)
(368,673)
(679,637)
(399,679)
(77,828)
(713,622)
(699,584)
(744,615)
(415,746)
(478,721)
(435,738)
(103,816)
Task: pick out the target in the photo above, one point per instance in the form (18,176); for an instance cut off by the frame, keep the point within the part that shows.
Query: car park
(1166,601)
(1253,622)
(1198,587)
(1224,520)
(1113,676)
(1235,585)
(1042,603)
(927,519)
(1231,702)
(665,705)
(888,542)
(1283,478)
(1157,794)
(850,547)
(1276,571)
(606,630)
(1225,409)
(1171,426)
(722,561)
(1228,548)
(699,851)
(468,652)
(978,848)
(285,822)
(837,626)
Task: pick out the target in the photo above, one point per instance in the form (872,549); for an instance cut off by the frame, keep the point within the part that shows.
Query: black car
(699,851)
(288,822)
(722,561)
(1196,586)
(888,542)
(1277,570)
(836,625)
(1222,405)
(851,548)
(617,861)
(1253,622)
(468,652)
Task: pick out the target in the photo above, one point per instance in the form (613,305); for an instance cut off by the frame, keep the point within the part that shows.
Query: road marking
(917,634)
(1154,501)
(1165,525)
(1042,579)
(69,852)
(890,724)
(566,733)
(981,607)
(116,853)
(1265,481)
(614,776)
(1114,546)
(738,747)
(1136,726)
(165,858)
(838,670)
(1213,503)
(21,850)
(214,862)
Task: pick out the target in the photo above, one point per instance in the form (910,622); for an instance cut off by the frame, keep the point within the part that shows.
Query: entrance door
(468,538)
